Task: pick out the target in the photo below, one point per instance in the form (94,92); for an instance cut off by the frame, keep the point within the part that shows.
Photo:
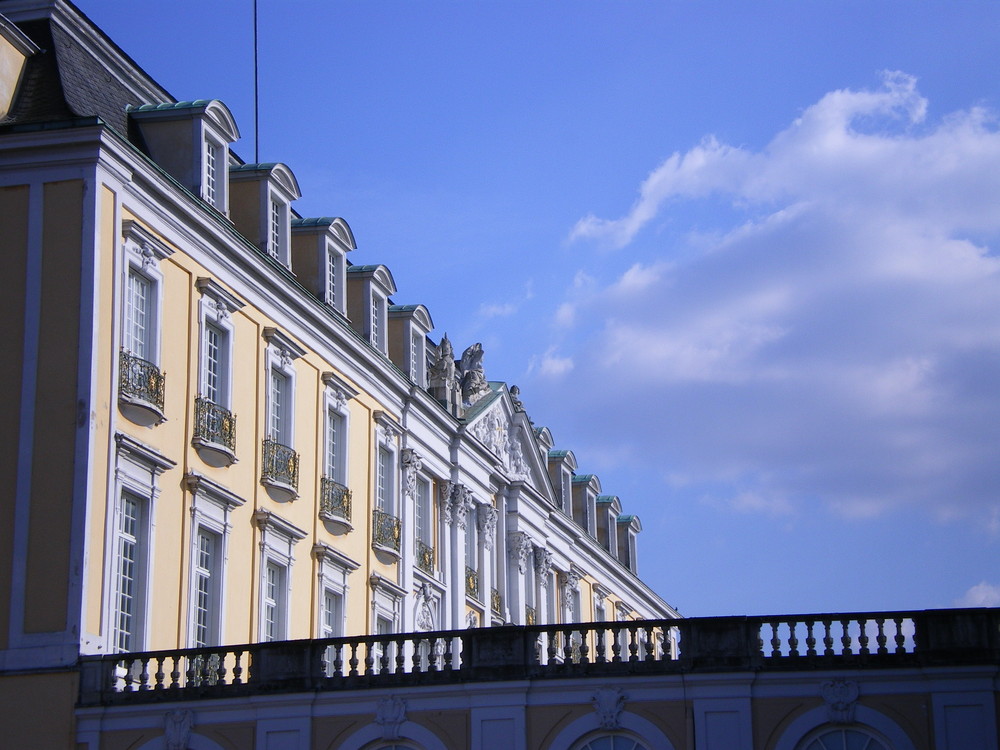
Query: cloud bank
(835,339)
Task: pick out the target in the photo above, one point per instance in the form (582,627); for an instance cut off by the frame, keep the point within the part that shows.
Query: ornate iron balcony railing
(425,557)
(334,500)
(530,617)
(214,423)
(779,643)
(281,464)
(472,582)
(496,601)
(386,530)
(140,379)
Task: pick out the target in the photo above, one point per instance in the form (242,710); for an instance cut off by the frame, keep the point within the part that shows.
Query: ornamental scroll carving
(493,431)
(462,503)
(543,566)
(609,703)
(570,585)
(444,493)
(519,548)
(487,520)
(390,715)
(841,698)
(412,464)
(177,727)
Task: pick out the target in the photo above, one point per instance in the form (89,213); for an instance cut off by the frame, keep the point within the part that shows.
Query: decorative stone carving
(841,698)
(444,493)
(491,430)
(519,548)
(177,729)
(472,620)
(515,398)
(442,372)
(609,703)
(543,565)
(411,465)
(487,520)
(473,377)
(516,462)
(462,503)
(390,715)
(570,584)
(425,613)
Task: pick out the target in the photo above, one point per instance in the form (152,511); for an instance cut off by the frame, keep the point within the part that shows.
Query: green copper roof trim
(317,221)
(583,478)
(163,106)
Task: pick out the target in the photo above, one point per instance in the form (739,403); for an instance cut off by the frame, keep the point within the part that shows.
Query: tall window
(332,277)
(274,601)
(129,586)
(215,364)
(423,511)
(278,416)
(376,322)
(336,467)
(206,589)
(211,172)
(417,356)
(383,486)
(275,231)
(136,338)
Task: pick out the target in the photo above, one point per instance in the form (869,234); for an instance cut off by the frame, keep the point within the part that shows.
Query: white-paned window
(279,406)
(275,230)
(212,158)
(334,273)
(216,364)
(138,330)
(383,481)
(423,511)
(418,358)
(378,307)
(131,549)
(336,447)
(207,586)
(275,601)
(472,541)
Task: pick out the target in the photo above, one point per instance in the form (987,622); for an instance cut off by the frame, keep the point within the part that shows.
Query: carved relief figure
(487,524)
(442,372)
(474,385)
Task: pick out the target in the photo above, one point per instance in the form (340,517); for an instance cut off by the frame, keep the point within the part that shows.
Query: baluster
(191,672)
(616,643)
(793,641)
(127,666)
(810,638)
(552,649)
(175,673)
(845,638)
(238,668)
(827,638)
(415,665)
(600,647)
(400,656)
(900,638)
(354,659)
(338,660)
(144,674)
(584,648)
(158,677)
(880,637)
(775,640)
(369,658)
(863,637)
(633,644)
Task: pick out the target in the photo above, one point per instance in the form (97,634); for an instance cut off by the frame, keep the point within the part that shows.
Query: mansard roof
(336,224)
(379,272)
(419,312)
(280,172)
(214,109)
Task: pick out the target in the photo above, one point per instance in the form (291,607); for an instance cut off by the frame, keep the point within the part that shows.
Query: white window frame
(385,486)
(215,310)
(418,357)
(333,570)
(423,509)
(334,278)
(336,428)
(279,359)
(211,510)
(137,468)
(278,539)
(143,252)
(378,321)
(215,173)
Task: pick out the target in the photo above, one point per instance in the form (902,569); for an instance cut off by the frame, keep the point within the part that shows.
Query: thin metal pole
(256,91)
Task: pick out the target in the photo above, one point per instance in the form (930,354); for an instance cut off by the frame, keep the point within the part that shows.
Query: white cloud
(554,366)
(983,594)
(497,311)
(837,338)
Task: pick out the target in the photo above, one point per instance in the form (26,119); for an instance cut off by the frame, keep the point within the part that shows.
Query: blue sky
(742,258)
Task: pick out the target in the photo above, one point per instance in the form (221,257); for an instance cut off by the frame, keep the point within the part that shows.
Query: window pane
(137,298)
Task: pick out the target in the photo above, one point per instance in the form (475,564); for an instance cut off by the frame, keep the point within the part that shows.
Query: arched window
(616,741)
(843,738)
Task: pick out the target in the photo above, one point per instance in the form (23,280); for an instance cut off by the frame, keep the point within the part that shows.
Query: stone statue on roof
(442,378)
(473,377)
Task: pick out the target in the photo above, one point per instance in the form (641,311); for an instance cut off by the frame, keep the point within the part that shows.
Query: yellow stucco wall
(36,711)
(11,68)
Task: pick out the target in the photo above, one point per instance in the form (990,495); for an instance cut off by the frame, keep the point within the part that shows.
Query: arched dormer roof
(591,480)
(380,275)
(418,312)
(277,172)
(336,225)
(612,501)
(213,109)
(563,456)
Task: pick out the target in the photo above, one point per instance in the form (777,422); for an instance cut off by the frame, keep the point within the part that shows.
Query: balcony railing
(895,640)
(472,582)
(281,464)
(214,424)
(334,500)
(140,380)
(496,601)
(386,530)
(425,557)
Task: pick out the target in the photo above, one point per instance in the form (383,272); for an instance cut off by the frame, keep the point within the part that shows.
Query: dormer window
(368,290)
(408,329)
(198,158)
(261,197)
(319,256)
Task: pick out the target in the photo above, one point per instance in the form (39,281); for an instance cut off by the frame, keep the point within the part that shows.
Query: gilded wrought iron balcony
(425,557)
(281,466)
(472,582)
(140,380)
(530,616)
(386,530)
(214,424)
(496,601)
(334,500)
